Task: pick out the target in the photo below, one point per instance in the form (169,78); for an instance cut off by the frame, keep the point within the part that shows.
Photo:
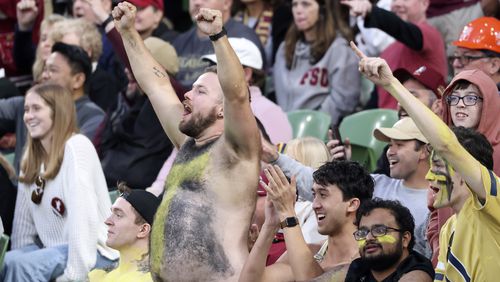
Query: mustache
(371,244)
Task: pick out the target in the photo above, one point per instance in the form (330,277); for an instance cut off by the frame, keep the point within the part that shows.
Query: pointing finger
(357,51)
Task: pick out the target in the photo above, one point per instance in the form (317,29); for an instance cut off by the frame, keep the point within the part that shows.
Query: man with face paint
(461,176)
(385,238)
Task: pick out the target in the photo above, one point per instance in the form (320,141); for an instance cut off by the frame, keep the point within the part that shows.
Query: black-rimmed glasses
(469,100)
(37,194)
(464,59)
(376,230)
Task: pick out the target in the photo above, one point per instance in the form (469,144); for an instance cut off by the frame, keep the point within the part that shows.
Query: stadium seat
(309,123)
(359,128)
(113,195)
(4,242)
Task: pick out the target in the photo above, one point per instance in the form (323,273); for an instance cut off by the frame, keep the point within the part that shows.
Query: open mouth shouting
(187,109)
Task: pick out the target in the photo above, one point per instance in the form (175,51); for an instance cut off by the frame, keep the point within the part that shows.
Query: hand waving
(209,21)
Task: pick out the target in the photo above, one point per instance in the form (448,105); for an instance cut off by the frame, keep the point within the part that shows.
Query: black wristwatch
(106,21)
(289,222)
(215,37)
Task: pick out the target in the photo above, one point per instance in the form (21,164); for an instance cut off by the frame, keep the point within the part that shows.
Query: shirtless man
(200,231)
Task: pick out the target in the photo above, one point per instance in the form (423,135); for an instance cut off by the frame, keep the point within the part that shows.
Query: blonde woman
(62,202)
(310,152)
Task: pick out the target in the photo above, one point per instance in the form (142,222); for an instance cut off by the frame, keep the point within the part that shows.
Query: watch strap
(216,37)
(106,21)
(289,222)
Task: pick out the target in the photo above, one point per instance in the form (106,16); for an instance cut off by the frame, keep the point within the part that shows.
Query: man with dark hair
(339,188)
(386,238)
(68,66)
(468,241)
(409,163)
(129,228)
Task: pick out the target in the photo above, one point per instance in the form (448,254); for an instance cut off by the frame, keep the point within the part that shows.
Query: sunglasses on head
(37,194)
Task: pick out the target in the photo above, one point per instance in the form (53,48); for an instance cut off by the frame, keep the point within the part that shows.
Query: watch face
(289,222)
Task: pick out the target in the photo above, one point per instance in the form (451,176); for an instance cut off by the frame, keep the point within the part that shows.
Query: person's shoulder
(78,140)
(85,104)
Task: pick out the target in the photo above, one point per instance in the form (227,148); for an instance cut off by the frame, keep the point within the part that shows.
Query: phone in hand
(336,136)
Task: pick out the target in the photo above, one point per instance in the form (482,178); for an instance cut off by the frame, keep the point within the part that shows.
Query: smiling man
(461,178)
(385,238)
(339,188)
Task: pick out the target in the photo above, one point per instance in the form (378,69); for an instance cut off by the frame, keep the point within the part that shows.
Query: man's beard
(196,124)
(384,261)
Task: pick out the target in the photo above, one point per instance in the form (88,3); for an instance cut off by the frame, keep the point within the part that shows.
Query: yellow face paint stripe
(362,243)
(387,238)
(193,171)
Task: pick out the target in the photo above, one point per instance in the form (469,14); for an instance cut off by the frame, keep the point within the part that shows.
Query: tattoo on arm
(159,73)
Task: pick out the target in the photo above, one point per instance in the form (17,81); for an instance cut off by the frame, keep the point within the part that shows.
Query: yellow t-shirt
(474,254)
(120,274)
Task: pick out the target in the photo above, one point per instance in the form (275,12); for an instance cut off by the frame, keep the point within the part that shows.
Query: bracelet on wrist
(216,37)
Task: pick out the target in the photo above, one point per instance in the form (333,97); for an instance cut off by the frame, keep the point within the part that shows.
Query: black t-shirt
(360,273)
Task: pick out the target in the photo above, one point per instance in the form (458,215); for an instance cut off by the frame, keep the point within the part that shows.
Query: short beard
(384,261)
(195,126)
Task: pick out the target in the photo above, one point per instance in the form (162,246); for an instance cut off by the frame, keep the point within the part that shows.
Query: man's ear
(78,81)
(494,66)
(406,239)
(353,205)
(144,231)
(248,74)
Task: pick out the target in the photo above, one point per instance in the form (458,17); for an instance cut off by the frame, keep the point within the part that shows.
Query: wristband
(106,21)
(216,37)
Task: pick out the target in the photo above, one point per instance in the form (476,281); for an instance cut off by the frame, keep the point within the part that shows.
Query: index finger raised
(357,51)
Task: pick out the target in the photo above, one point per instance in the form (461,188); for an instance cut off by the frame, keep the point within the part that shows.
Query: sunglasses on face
(469,100)
(376,231)
(37,194)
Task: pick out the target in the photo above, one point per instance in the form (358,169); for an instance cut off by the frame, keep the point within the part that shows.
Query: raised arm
(150,75)
(240,127)
(300,257)
(434,129)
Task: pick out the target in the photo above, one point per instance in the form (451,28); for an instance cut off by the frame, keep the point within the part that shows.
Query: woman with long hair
(315,67)
(62,199)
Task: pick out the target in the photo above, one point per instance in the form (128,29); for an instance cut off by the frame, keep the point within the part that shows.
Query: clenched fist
(209,21)
(124,16)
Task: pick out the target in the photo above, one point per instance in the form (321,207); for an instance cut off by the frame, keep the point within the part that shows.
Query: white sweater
(81,186)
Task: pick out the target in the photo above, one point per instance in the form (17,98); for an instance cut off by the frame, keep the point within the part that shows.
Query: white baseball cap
(246,50)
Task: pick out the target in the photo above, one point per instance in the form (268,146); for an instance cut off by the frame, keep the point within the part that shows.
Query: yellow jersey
(470,242)
(121,274)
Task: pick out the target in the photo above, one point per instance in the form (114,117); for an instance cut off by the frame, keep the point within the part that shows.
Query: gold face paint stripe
(362,243)
(193,171)
(387,238)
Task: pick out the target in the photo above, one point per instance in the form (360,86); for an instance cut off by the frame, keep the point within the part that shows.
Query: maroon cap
(429,77)
(158,4)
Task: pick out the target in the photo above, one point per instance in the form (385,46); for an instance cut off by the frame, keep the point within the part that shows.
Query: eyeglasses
(469,100)
(37,194)
(376,230)
(464,59)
